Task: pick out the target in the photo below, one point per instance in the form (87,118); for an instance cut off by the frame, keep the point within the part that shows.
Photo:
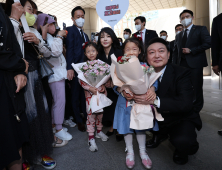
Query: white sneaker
(69,123)
(62,134)
(102,136)
(64,128)
(92,145)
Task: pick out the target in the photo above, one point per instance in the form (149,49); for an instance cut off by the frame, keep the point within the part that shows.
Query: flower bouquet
(95,73)
(130,75)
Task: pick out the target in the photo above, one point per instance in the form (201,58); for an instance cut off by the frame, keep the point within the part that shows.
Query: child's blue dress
(122,115)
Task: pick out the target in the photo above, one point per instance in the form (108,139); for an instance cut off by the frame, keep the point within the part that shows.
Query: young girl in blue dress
(132,47)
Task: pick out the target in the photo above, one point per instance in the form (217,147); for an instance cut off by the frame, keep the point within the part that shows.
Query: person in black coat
(108,44)
(75,54)
(13,121)
(147,35)
(190,46)
(216,48)
(174,102)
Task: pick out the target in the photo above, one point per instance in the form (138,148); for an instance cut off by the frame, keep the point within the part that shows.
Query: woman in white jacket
(57,80)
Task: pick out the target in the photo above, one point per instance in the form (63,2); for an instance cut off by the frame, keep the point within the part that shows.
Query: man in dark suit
(75,54)
(174,102)
(190,46)
(178,29)
(216,48)
(147,35)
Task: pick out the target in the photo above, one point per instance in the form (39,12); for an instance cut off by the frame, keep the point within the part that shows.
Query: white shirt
(143,34)
(188,31)
(160,79)
(81,33)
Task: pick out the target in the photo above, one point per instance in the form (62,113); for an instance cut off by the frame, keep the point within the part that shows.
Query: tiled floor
(111,156)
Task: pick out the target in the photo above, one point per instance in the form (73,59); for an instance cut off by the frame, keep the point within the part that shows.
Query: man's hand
(141,99)
(17,11)
(20,81)
(127,95)
(70,74)
(186,50)
(216,70)
(151,95)
(31,37)
(26,66)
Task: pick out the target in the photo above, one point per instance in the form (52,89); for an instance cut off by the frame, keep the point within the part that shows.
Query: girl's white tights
(141,139)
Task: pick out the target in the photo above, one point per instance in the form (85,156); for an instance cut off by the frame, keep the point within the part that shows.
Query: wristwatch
(156,102)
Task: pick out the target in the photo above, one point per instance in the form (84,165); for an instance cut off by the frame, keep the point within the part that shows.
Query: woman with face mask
(41,136)
(108,44)
(57,80)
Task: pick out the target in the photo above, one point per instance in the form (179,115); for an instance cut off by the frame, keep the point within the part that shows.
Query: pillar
(91,21)
(200,9)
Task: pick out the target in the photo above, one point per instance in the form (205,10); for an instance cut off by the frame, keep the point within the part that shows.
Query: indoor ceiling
(62,8)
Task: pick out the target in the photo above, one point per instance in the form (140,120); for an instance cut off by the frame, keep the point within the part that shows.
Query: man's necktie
(83,39)
(184,41)
(141,34)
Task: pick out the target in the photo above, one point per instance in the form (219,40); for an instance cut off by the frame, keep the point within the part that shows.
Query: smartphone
(64,26)
(51,16)
(45,21)
(92,36)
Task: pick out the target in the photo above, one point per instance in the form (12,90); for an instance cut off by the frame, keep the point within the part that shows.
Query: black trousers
(197,82)
(78,100)
(182,136)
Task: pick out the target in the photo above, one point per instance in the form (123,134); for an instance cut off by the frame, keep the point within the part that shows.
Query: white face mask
(96,38)
(178,32)
(126,36)
(186,22)
(163,37)
(138,27)
(80,22)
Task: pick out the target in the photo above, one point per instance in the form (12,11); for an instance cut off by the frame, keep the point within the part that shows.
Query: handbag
(45,66)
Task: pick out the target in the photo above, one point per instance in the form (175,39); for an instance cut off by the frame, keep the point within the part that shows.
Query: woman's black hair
(88,45)
(139,45)
(8,5)
(115,44)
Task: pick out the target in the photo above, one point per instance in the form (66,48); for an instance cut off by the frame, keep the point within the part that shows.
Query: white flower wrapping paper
(131,76)
(99,101)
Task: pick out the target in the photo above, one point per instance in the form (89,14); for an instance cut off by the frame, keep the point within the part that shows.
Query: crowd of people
(34,108)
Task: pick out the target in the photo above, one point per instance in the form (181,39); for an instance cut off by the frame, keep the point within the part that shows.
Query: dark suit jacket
(150,34)
(74,51)
(102,55)
(171,45)
(11,63)
(216,38)
(176,96)
(198,41)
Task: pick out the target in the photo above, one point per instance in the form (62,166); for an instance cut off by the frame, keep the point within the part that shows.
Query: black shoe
(119,137)
(220,132)
(108,133)
(178,159)
(81,127)
(156,140)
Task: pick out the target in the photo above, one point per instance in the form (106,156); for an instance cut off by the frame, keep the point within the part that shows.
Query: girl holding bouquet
(132,47)
(91,53)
